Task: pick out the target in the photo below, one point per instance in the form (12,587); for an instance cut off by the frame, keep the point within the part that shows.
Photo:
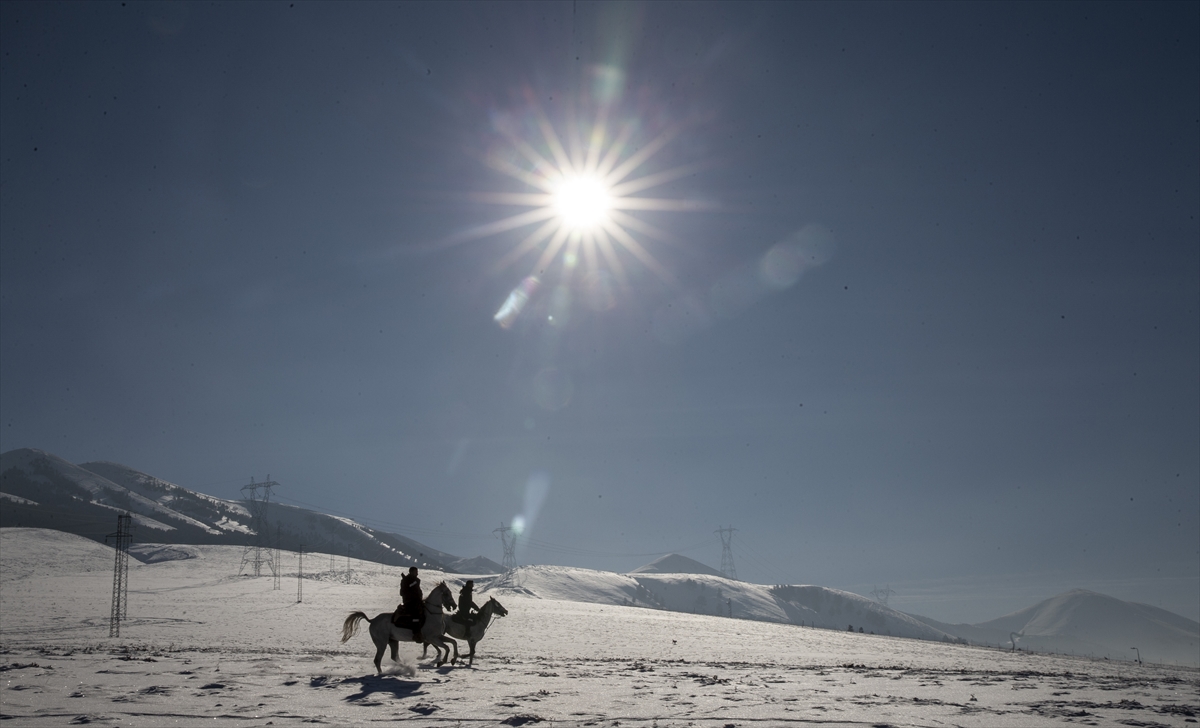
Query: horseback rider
(410,614)
(466,607)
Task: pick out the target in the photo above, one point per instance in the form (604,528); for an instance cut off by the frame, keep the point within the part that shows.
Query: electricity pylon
(120,598)
(510,546)
(881,595)
(258,497)
(728,570)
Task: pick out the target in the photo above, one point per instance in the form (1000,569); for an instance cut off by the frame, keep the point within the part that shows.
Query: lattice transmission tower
(509,539)
(120,595)
(728,570)
(881,595)
(254,555)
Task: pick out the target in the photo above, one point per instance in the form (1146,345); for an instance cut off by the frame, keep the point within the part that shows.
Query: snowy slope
(675,564)
(72,495)
(477,565)
(1084,622)
(715,595)
(45,491)
(203,647)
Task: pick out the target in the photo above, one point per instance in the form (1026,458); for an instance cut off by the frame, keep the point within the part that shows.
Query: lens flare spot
(786,261)
(511,309)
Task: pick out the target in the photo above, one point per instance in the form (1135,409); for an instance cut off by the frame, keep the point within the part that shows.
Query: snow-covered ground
(203,646)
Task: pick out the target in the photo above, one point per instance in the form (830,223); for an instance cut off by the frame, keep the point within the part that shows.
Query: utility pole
(510,546)
(300,576)
(278,564)
(120,597)
(727,568)
(258,498)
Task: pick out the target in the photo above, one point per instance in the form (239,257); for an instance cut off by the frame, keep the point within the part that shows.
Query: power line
(766,563)
(576,551)
(525,541)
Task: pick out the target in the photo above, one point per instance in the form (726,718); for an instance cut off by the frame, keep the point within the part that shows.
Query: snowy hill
(477,565)
(1086,623)
(58,494)
(675,564)
(203,646)
(715,595)
(42,490)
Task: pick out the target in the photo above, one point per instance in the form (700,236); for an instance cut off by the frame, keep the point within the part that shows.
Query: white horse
(385,634)
(490,609)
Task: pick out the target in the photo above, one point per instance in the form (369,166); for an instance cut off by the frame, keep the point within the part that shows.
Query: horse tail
(350,626)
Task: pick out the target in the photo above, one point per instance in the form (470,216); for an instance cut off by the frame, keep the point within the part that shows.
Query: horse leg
(395,649)
(443,651)
(452,641)
(471,659)
(380,638)
(380,648)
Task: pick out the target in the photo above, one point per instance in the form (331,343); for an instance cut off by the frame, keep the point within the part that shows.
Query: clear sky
(910,293)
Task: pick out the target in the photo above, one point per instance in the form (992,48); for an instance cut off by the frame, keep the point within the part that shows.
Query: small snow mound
(675,564)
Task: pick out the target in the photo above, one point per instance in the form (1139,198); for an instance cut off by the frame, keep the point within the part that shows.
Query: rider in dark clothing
(465,605)
(410,614)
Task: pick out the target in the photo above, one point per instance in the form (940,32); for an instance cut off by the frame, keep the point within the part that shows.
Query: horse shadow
(383,685)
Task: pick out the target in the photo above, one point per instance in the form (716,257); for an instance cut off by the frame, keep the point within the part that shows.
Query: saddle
(411,622)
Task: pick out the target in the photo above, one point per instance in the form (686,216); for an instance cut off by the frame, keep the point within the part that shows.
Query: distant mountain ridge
(41,490)
(1083,622)
(701,593)
(1076,622)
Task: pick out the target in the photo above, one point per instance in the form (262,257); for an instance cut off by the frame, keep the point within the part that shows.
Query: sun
(582,202)
(584,185)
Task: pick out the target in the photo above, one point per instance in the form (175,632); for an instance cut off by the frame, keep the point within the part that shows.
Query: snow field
(205,647)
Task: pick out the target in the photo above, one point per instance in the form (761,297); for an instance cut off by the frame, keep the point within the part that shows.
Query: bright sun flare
(584,190)
(582,203)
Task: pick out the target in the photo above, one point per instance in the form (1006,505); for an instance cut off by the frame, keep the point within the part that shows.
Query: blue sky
(235,240)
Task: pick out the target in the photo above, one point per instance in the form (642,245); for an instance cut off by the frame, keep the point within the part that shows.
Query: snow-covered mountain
(700,593)
(41,490)
(675,564)
(1083,622)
